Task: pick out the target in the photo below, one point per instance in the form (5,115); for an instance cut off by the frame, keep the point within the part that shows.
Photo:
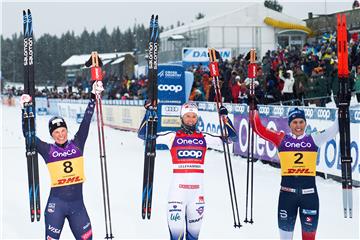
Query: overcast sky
(57,17)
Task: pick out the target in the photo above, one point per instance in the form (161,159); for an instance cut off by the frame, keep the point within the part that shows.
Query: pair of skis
(152,120)
(344,97)
(97,75)
(214,72)
(29,119)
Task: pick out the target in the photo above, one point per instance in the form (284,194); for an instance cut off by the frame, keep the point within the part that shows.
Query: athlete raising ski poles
(65,162)
(186,202)
(297,154)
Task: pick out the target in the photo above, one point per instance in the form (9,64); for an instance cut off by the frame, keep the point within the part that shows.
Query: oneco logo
(298,145)
(64,154)
(194,141)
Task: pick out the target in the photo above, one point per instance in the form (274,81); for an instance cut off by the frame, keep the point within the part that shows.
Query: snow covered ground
(125,168)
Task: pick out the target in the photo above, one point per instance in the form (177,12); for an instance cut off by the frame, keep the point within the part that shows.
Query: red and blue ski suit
(186,201)
(298,191)
(66,167)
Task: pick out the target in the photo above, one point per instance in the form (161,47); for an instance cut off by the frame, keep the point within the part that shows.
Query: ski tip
(156,17)
(24,20)
(29,12)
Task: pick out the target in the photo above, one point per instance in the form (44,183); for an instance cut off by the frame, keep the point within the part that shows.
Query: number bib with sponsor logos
(67,172)
(298,156)
(66,165)
(188,152)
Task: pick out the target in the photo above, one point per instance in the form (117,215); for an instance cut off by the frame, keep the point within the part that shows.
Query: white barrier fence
(127,115)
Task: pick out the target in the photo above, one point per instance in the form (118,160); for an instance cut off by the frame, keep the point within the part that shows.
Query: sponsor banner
(171,84)
(70,110)
(263,150)
(172,122)
(116,113)
(41,105)
(200,55)
(52,108)
(355,116)
(171,94)
(170,110)
(123,117)
(328,159)
(282,111)
(209,122)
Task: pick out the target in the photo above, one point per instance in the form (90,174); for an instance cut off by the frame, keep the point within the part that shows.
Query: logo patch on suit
(51,207)
(200,210)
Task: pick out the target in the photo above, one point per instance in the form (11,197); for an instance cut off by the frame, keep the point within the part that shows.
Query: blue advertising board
(196,56)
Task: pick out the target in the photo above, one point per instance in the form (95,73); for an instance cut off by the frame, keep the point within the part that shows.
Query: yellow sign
(298,163)
(66,172)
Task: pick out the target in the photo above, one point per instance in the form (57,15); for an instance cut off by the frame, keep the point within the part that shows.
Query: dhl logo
(298,170)
(69,180)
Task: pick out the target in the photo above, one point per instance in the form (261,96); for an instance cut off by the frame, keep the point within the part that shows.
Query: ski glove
(223,111)
(97,88)
(25,98)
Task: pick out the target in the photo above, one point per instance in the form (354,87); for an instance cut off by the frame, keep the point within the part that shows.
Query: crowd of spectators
(291,76)
(288,76)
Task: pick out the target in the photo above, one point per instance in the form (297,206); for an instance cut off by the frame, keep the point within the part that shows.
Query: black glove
(223,111)
(147,105)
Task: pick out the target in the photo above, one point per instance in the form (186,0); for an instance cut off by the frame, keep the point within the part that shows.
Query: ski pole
(229,172)
(250,155)
(96,75)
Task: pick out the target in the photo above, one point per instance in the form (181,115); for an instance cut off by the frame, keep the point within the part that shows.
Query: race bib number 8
(298,163)
(67,172)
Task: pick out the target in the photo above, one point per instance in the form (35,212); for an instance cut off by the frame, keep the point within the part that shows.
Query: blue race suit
(65,164)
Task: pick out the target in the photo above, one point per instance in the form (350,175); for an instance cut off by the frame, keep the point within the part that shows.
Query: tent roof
(119,60)
(76,60)
(252,14)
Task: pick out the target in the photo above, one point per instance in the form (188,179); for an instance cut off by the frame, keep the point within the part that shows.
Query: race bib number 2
(67,172)
(298,163)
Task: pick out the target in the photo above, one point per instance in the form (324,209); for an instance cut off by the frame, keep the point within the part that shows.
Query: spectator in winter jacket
(206,82)
(300,84)
(239,91)
(287,91)
(225,93)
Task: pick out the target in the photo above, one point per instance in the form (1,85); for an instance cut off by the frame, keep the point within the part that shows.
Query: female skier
(65,163)
(188,146)
(297,154)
